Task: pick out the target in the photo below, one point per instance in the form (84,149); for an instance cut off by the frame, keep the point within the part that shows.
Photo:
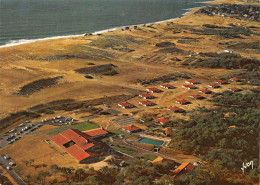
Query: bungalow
(94,133)
(183,102)
(192,82)
(147,96)
(153,90)
(197,97)
(163,121)
(131,129)
(126,105)
(167,86)
(175,109)
(147,103)
(235,79)
(205,91)
(221,82)
(189,87)
(161,160)
(214,86)
(234,89)
(80,145)
(183,168)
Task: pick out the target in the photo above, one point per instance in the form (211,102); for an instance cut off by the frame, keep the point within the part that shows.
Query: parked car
(6,157)
(8,168)
(12,164)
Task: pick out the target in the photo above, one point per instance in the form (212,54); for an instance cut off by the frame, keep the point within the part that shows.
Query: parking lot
(27,127)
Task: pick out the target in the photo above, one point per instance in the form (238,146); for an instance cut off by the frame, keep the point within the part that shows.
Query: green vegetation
(229,61)
(208,133)
(117,131)
(126,150)
(57,131)
(82,126)
(149,157)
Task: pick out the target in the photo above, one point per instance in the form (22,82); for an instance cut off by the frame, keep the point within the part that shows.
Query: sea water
(23,21)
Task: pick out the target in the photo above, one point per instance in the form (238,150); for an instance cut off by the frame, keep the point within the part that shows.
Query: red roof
(205,91)
(213,85)
(174,108)
(189,86)
(234,89)
(182,101)
(131,128)
(146,95)
(80,143)
(221,82)
(146,102)
(163,120)
(125,104)
(166,85)
(235,79)
(197,96)
(153,89)
(192,81)
(97,132)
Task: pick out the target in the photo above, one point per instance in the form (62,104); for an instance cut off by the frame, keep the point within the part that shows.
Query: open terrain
(81,77)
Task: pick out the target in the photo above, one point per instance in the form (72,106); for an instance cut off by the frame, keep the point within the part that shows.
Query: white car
(8,168)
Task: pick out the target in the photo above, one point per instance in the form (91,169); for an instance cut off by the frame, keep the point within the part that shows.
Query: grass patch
(82,126)
(57,131)
(149,157)
(117,131)
(126,150)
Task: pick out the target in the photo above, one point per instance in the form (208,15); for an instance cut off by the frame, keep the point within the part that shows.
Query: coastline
(28,41)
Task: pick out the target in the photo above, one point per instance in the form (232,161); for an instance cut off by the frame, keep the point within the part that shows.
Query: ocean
(23,21)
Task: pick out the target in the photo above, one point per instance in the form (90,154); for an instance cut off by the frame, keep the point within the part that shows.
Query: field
(81,77)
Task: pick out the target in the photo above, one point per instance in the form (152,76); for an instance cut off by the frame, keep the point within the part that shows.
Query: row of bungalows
(127,105)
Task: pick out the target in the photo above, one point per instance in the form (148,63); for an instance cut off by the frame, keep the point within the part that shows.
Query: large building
(80,145)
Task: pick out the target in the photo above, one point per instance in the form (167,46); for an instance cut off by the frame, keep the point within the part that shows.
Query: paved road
(16,177)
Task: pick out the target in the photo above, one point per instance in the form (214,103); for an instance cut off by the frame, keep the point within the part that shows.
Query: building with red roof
(175,109)
(147,103)
(80,145)
(235,79)
(131,129)
(167,86)
(147,96)
(197,97)
(192,82)
(96,133)
(205,91)
(153,90)
(126,105)
(215,86)
(163,120)
(234,89)
(189,86)
(183,168)
(221,82)
(183,102)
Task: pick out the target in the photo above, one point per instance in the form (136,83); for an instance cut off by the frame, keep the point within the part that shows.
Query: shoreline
(28,41)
